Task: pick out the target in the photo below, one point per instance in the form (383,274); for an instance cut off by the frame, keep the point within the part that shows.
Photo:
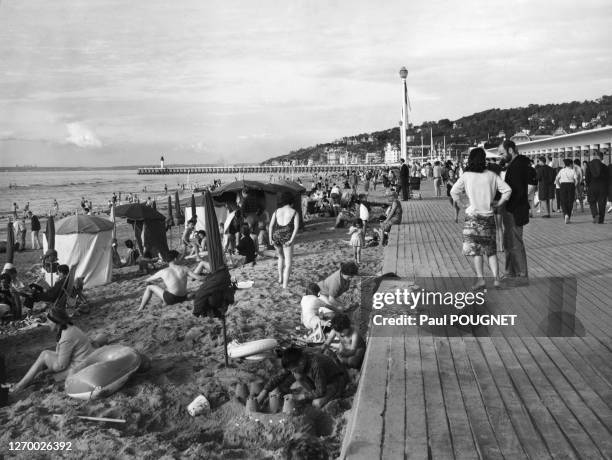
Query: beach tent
(149,227)
(269,194)
(187,204)
(85,241)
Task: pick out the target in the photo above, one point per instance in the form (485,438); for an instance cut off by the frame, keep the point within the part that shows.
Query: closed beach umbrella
(170,219)
(213,237)
(179,215)
(50,233)
(193,207)
(154,203)
(10,244)
(112,219)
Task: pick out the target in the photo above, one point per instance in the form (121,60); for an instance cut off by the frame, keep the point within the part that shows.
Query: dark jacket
(545,175)
(519,174)
(246,247)
(404,172)
(596,173)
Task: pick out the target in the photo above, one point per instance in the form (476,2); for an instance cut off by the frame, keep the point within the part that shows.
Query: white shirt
(310,310)
(480,189)
(567,176)
(335,189)
(364,214)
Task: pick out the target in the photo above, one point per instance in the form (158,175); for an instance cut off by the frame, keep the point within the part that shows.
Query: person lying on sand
(337,283)
(72,348)
(175,279)
(320,377)
(315,313)
(352,345)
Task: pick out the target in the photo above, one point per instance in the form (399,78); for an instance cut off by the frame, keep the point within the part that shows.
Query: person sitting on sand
(73,346)
(146,263)
(186,237)
(337,283)
(132,256)
(174,277)
(352,345)
(246,246)
(39,294)
(10,303)
(315,313)
(115,254)
(320,377)
(305,447)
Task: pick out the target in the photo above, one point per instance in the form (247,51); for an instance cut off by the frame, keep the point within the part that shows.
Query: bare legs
(479,268)
(285,259)
(149,291)
(45,361)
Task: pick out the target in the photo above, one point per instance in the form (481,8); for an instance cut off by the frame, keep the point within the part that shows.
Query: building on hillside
(501,134)
(372,158)
(310,161)
(520,137)
(392,154)
(559,131)
(334,154)
(573,125)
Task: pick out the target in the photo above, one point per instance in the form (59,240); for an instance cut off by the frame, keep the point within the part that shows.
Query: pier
(517,393)
(262,169)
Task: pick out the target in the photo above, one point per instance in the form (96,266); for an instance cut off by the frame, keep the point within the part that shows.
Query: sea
(41,187)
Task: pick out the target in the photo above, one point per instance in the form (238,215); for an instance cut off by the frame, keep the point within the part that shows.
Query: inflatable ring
(242,350)
(104,371)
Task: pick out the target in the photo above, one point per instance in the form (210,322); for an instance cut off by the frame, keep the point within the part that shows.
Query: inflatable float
(104,371)
(237,350)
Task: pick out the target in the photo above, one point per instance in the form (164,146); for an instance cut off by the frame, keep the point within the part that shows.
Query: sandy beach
(187,359)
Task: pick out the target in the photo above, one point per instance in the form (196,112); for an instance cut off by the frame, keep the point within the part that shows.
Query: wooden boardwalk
(528,391)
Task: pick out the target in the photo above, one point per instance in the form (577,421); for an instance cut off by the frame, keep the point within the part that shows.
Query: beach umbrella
(138,212)
(81,223)
(194,214)
(50,233)
(10,244)
(177,204)
(154,203)
(112,219)
(170,218)
(213,237)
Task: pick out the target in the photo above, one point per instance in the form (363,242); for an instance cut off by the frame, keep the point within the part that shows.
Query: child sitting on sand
(314,313)
(352,345)
(246,246)
(356,232)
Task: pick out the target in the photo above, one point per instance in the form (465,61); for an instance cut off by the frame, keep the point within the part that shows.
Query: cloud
(81,136)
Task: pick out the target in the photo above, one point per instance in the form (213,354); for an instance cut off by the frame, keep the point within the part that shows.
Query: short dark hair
(508,144)
(568,162)
(291,356)
(340,322)
(201,232)
(577,162)
(285,198)
(312,289)
(349,268)
(172,255)
(542,159)
(129,244)
(63,269)
(477,160)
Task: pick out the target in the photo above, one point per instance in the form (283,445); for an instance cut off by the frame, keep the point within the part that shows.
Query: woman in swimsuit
(283,229)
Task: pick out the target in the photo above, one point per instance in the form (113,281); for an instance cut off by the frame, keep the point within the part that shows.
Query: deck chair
(72,295)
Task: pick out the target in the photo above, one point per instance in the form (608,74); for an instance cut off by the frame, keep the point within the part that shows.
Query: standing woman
(480,186)
(449,185)
(566,181)
(284,226)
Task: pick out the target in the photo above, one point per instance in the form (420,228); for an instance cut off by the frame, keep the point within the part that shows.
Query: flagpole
(403,124)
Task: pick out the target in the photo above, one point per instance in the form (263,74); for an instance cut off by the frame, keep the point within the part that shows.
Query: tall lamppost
(404,123)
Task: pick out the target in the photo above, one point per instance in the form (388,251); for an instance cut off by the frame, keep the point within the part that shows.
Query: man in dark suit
(404,177)
(596,179)
(519,175)
(545,177)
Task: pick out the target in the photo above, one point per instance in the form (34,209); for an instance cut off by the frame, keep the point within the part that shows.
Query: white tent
(85,241)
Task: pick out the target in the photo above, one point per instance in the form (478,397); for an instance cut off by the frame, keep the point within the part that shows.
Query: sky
(115,82)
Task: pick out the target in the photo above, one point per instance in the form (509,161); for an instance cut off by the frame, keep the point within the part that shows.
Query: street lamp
(404,123)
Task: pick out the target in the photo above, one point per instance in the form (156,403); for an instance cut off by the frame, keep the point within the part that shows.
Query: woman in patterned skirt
(480,185)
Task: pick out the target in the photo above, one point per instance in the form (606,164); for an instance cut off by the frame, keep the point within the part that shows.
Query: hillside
(488,126)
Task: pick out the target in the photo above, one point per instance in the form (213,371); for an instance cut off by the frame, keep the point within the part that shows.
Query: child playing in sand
(352,345)
(356,232)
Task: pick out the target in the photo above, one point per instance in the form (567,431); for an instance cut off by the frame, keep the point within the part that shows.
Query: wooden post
(225,341)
